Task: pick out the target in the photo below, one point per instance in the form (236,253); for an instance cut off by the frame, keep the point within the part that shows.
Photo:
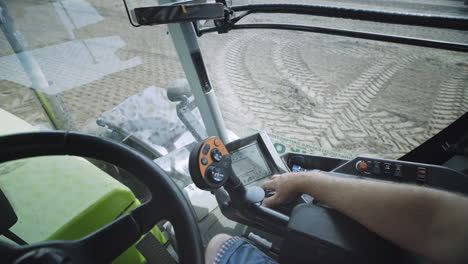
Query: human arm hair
(429,222)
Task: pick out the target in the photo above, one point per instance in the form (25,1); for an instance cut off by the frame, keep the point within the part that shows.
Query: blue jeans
(237,250)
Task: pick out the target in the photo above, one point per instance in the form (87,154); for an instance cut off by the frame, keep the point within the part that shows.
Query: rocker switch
(398,173)
(376,168)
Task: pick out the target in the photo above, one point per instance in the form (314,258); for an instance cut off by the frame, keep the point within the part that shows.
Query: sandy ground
(339,96)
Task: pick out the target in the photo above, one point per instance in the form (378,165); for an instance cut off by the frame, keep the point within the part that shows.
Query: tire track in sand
(451,101)
(342,120)
(342,115)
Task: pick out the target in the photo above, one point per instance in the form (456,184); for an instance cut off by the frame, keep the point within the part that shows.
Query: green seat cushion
(62,197)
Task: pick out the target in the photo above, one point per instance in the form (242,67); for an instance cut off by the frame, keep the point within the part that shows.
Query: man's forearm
(426,221)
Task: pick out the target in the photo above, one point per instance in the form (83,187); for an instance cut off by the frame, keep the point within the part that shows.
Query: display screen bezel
(267,172)
(266,149)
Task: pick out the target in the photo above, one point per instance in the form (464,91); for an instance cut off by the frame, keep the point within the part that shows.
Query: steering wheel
(104,245)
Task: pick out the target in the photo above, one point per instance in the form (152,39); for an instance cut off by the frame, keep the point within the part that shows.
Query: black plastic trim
(402,18)
(453,46)
(201,71)
(434,150)
(154,15)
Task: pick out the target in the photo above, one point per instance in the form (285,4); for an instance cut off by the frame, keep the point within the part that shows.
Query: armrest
(321,235)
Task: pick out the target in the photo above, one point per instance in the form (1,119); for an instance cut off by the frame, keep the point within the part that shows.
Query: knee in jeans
(214,245)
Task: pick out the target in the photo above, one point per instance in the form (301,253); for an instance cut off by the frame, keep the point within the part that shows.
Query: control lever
(210,166)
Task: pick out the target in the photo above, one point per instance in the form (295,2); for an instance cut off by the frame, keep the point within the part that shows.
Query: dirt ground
(313,93)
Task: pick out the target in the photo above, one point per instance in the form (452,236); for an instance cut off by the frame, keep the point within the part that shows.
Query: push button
(387,169)
(376,168)
(216,154)
(421,175)
(215,174)
(204,161)
(206,148)
(361,166)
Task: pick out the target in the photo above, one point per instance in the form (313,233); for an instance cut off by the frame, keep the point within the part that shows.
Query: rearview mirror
(155,15)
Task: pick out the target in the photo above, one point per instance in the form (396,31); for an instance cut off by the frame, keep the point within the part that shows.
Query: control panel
(391,170)
(210,164)
(407,172)
(250,159)
(211,168)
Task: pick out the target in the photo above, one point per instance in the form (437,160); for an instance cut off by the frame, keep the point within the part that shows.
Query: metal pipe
(402,18)
(452,46)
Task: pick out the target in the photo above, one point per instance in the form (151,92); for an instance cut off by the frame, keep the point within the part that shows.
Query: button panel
(401,171)
(207,157)
(387,170)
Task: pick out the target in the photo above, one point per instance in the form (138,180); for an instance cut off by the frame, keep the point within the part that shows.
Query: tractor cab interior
(158,174)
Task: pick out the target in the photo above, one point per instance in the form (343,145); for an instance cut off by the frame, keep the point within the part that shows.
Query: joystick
(210,166)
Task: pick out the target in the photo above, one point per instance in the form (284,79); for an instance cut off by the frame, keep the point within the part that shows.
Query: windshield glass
(80,65)
(339,96)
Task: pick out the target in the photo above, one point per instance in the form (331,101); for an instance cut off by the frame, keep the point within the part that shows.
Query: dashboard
(254,159)
(306,224)
(406,172)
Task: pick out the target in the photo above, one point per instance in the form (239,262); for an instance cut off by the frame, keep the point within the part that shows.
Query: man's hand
(287,187)
(428,222)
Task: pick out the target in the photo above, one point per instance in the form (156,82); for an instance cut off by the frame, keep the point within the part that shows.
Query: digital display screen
(249,164)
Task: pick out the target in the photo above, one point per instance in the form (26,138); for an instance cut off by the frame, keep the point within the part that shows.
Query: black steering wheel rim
(166,200)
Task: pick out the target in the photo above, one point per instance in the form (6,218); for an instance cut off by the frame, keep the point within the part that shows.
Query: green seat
(62,197)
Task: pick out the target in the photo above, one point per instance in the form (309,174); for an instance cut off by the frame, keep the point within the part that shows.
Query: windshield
(80,65)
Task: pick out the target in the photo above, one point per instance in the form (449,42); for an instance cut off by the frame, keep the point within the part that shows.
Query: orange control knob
(362,166)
